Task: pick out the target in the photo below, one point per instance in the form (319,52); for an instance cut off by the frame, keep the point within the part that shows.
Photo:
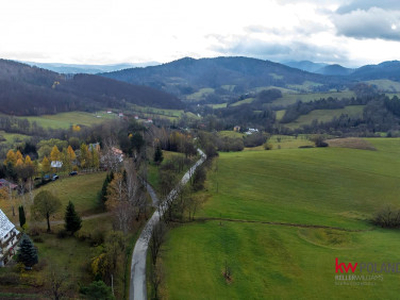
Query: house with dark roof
(9,237)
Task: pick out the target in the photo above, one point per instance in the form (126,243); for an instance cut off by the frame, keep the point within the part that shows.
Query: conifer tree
(22,218)
(73,221)
(27,253)
(158,155)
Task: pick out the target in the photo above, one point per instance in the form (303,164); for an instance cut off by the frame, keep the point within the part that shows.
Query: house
(9,237)
(149,121)
(251,131)
(7,184)
(118,154)
(236,128)
(94,146)
(136,117)
(56,164)
(121,115)
(109,111)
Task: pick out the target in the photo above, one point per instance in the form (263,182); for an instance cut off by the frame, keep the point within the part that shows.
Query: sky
(347,32)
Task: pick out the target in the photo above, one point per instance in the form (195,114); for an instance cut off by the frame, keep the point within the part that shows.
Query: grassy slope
(337,187)
(288,99)
(65,120)
(326,115)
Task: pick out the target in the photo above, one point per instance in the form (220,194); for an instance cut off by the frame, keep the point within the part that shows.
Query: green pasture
(244,101)
(326,115)
(386,85)
(252,191)
(65,120)
(82,190)
(273,262)
(288,99)
(199,94)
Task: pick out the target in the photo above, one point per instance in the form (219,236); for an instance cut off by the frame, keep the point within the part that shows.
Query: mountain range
(26,90)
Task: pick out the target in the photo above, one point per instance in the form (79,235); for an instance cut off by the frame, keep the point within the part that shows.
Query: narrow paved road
(138,289)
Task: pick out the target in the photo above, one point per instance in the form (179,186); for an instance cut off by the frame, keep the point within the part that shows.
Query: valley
(300,164)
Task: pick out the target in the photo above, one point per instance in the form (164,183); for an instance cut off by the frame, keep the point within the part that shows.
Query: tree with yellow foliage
(10,158)
(19,155)
(55,154)
(45,165)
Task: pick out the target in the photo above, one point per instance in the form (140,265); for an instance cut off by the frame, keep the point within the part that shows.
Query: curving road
(138,289)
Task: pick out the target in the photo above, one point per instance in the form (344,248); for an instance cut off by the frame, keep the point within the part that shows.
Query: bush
(62,234)
(387,217)
(268,146)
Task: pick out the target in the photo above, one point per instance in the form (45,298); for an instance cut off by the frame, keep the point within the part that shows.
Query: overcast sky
(351,33)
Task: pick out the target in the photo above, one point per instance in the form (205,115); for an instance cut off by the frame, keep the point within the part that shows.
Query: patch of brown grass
(353,143)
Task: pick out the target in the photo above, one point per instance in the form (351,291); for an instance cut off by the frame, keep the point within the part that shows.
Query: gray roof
(5,225)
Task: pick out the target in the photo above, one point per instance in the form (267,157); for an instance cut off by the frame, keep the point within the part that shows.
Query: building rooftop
(5,225)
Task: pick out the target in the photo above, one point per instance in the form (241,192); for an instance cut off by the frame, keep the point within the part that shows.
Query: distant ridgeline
(26,90)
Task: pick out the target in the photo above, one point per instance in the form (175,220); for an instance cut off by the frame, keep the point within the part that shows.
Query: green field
(199,94)
(326,115)
(65,120)
(252,191)
(288,99)
(386,85)
(244,101)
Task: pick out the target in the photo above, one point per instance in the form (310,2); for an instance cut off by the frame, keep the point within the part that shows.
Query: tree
(55,154)
(97,290)
(21,214)
(45,165)
(27,253)
(73,221)
(158,155)
(10,158)
(45,204)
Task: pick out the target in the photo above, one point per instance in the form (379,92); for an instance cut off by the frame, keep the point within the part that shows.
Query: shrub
(387,217)
(268,146)
(62,234)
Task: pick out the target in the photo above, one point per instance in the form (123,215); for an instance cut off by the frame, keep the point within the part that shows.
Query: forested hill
(26,90)
(187,75)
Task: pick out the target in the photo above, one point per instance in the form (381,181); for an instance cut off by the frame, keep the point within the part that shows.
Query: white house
(9,237)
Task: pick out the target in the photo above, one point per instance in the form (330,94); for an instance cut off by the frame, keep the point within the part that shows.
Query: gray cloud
(240,45)
(368,4)
(376,23)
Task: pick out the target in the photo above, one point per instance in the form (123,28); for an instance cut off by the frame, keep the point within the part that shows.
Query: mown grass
(335,187)
(272,262)
(65,120)
(82,190)
(326,115)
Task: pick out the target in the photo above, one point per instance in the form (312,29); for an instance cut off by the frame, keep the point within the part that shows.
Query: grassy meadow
(65,120)
(240,227)
(325,115)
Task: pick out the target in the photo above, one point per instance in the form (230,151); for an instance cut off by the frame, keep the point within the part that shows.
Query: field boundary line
(283,224)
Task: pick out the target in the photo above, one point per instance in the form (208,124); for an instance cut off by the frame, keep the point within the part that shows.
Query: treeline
(294,111)
(381,114)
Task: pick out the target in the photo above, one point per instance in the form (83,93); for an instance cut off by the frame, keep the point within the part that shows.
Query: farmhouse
(9,236)
(7,184)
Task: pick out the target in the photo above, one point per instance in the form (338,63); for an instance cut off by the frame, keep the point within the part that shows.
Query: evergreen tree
(73,221)
(158,155)
(22,218)
(27,253)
